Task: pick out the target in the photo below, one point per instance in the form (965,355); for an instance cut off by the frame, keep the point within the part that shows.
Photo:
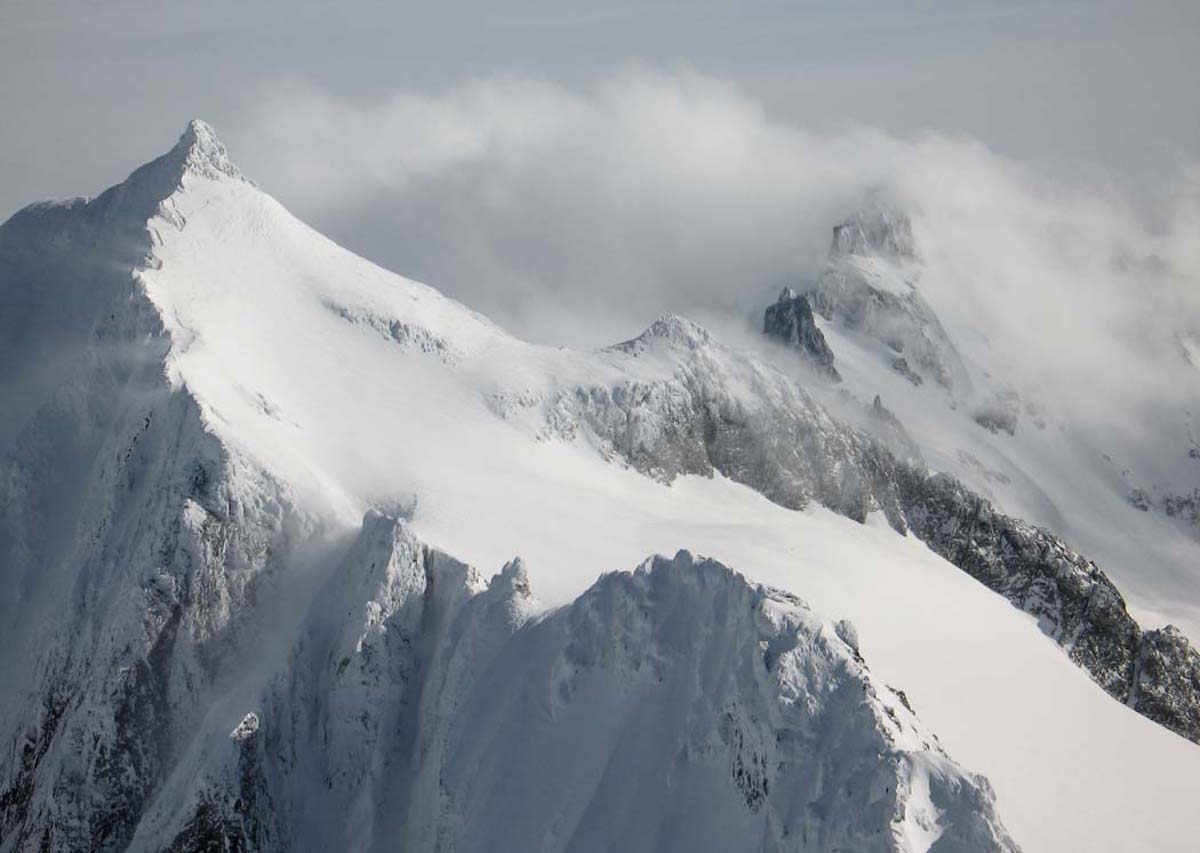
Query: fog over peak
(577,215)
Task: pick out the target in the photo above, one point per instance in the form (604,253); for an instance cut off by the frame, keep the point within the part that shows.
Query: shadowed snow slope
(196,615)
(678,708)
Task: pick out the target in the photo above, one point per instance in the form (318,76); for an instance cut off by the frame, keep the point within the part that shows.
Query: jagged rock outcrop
(790,321)
(1155,672)
(446,719)
(422,707)
(1166,681)
(1185,507)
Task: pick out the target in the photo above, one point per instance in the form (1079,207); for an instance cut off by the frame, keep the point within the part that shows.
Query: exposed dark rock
(900,365)
(233,815)
(790,321)
(1075,603)
(1167,681)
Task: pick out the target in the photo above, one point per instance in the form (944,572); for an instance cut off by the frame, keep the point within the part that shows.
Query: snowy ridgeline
(780,442)
(868,292)
(204,690)
(675,708)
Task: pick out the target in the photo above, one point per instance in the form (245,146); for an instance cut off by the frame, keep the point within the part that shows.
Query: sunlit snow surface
(360,389)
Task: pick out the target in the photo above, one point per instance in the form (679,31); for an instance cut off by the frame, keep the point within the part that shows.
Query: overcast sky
(88,89)
(553,157)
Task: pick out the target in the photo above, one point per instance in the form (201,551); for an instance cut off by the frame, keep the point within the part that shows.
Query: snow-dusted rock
(728,411)
(869,285)
(900,365)
(246,728)
(722,410)
(678,707)
(877,229)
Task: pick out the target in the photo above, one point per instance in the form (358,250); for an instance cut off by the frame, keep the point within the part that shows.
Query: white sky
(88,90)
(532,161)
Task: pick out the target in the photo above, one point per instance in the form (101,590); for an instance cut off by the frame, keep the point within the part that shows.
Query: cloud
(652,192)
(577,216)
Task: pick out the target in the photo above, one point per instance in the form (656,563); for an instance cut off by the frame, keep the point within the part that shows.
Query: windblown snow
(246,474)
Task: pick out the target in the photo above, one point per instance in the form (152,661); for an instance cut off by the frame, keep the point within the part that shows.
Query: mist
(576,216)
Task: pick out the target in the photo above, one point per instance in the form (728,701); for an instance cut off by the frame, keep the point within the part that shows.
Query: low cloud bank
(577,217)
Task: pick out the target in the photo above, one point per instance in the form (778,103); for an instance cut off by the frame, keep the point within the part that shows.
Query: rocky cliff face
(790,321)
(1166,681)
(418,705)
(1155,672)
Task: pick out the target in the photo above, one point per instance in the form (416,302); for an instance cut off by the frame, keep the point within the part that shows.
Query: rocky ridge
(778,440)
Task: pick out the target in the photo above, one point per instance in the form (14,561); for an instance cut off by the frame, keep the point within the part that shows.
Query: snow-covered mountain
(245,475)
(869,295)
(1113,476)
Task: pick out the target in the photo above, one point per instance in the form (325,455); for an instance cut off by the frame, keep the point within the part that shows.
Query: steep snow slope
(343,436)
(306,387)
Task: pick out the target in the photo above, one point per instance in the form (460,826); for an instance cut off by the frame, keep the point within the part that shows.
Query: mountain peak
(790,321)
(874,229)
(674,330)
(199,151)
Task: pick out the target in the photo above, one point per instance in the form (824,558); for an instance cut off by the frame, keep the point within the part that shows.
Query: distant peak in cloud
(874,228)
(577,214)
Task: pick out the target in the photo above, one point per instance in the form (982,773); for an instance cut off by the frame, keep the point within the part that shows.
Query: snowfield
(278,391)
